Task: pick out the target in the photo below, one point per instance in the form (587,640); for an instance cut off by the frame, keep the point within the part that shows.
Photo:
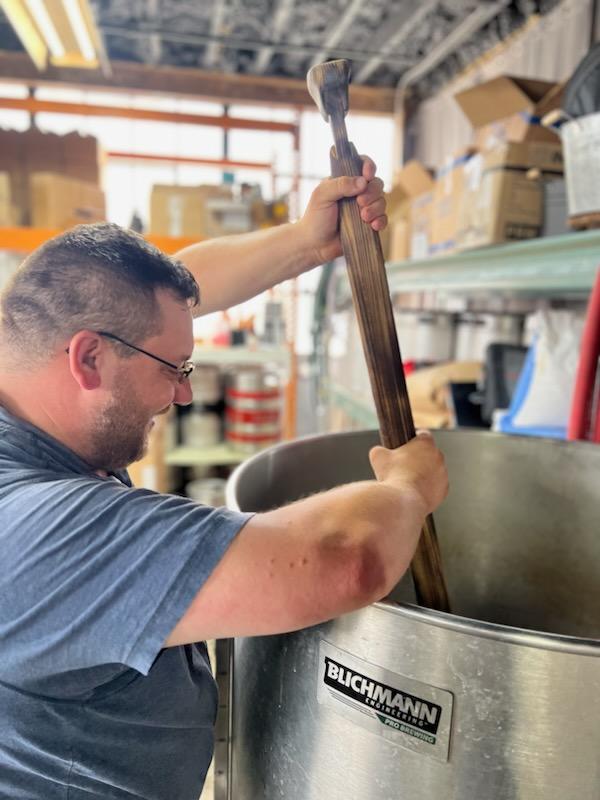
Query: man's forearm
(232,269)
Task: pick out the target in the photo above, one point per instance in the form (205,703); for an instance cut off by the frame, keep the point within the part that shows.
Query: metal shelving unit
(230,356)
(24,240)
(557,266)
(554,264)
(218,455)
(564,264)
(355,407)
(221,454)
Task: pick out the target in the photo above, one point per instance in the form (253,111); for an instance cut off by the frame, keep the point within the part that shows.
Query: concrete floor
(208,792)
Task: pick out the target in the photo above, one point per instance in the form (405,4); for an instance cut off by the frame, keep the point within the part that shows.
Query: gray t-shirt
(94,575)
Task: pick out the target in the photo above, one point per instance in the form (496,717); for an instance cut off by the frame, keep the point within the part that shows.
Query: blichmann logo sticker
(407,712)
(420,717)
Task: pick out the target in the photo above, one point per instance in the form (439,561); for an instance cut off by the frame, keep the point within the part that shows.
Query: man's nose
(183,393)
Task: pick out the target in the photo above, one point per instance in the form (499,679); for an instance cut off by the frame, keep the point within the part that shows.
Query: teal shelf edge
(186,456)
(355,407)
(551,264)
(231,356)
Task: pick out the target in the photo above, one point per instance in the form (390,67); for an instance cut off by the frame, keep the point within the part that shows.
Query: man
(106,590)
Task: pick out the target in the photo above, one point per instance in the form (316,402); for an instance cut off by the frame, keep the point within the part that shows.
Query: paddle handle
(371,297)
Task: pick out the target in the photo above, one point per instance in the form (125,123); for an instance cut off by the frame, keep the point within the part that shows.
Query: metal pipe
(225,163)
(93,110)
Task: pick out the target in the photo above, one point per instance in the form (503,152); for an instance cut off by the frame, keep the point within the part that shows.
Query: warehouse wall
(549,48)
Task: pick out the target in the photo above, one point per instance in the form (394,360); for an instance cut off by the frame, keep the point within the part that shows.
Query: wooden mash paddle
(328,86)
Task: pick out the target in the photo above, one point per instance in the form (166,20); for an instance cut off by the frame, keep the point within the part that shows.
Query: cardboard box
(12,162)
(421,225)
(501,202)
(42,152)
(510,109)
(184,210)
(82,157)
(412,179)
(448,195)
(396,239)
(7,212)
(60,202)
(428,391)
(25,152)
(411,182)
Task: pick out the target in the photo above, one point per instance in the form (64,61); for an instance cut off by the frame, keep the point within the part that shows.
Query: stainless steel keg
(253,401)
(498,701)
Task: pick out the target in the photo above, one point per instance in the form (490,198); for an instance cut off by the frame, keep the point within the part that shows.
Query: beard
(120,432)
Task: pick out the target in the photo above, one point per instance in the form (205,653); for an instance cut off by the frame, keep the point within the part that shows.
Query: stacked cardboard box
(61,202)
(448,193)
(207,211)
(24,153)
(408,206)
(500,200)
(200,211)
(485,194)
(510,109)
(421,224)
(7,211)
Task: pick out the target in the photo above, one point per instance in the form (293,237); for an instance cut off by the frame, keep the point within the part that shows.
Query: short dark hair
(96,277)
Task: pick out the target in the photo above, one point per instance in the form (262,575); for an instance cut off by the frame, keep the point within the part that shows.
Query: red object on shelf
(258,417)
(266,394)
(222,334)
(584,421)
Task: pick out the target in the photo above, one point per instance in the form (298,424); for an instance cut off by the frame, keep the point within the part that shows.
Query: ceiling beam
(393,32)
(155,50)
(216,28)
(337,30)
(128,76)
(460,34)
(197,39)
(280,25)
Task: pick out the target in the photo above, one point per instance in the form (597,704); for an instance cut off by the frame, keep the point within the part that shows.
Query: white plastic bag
(547,400)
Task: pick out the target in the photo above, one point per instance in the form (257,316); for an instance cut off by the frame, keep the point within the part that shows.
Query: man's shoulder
(35,491)
(17,475)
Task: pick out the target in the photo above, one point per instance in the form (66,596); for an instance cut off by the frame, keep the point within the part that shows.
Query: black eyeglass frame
(183,371)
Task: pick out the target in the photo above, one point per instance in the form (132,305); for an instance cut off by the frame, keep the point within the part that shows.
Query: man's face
(121,429)
(141,389)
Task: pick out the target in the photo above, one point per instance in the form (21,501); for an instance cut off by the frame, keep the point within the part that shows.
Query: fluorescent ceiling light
(46,26)
(61,31)
(74,13)
(25,28)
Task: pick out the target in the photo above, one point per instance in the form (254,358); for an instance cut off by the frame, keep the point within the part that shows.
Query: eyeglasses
(183,371)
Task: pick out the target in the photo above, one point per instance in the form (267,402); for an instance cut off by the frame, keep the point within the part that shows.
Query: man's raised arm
(232,269)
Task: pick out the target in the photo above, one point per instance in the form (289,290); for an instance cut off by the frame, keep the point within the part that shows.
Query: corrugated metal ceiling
(421,42)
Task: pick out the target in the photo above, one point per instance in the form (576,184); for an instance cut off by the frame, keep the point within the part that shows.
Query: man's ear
(86,354)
